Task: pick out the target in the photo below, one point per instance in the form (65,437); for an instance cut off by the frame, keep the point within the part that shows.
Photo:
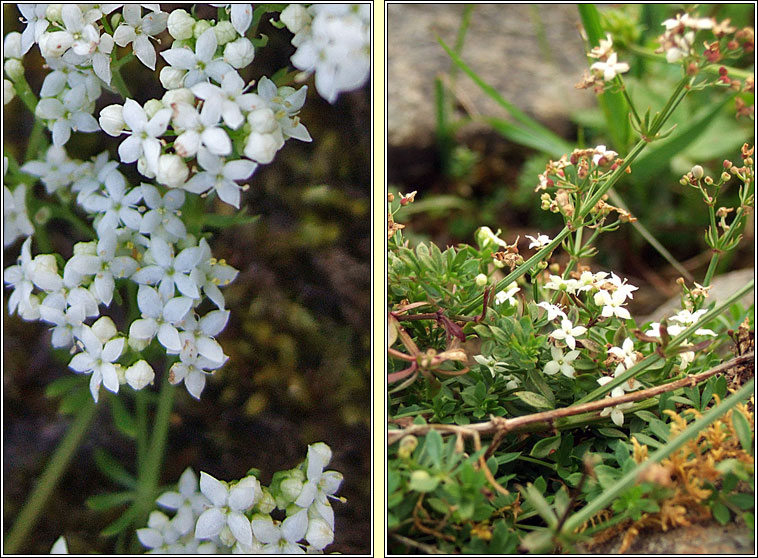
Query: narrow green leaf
(113,469)
(744,432)
(533,400)
(126,520)
(102,502)
(123,420)
(533,495)
(433,447)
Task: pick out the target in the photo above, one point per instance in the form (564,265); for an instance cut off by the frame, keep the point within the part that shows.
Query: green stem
(611,493)
(149,474)
(56,467)
(117,79)
(711,269)
(37,141)
(25,93)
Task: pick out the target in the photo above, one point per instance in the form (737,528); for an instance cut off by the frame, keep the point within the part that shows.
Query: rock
(503,45)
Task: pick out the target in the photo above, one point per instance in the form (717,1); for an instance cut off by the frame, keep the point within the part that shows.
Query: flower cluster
(605,69)
(217,517)
(334,42)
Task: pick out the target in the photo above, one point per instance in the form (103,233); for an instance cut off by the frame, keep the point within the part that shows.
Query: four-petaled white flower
(626,355)
(199,130)
(159,316)
(138,30)
(508,295)
(97,358)
(280,537)
(568,332)
(228,506)
(70,114)
(201,63)
(144,134)
(320,484)
(612,304)
(553,310)
(15,219)
(610,67)
(541,241)
(561,363)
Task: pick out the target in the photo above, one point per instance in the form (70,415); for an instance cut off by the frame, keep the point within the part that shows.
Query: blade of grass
(552,142)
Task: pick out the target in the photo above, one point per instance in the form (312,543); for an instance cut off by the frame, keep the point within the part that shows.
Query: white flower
(97,358)
(198,335)
(71,114)
(138,30)
(561,363)
(67,321)
(200,64)
(115,204)
(539,242)
(15,220)
(604,47)
(280,537)
(604,155)
(568,332)
(617,411)
(188,495)
(199,129)
(229,100)
(553,310)
(687,318)
(221,177)
(162,217)
(36,24)
(337,47)
(508,295)
(160,535)
(612,304)
(144,133)
(625,354)
(85,35)
(167,270)
(623,286)
(320,484)
(210,274)
(229,502)
(159,315)
(56,171)
(60,546)
(19,277)
(192,369)
(610,67)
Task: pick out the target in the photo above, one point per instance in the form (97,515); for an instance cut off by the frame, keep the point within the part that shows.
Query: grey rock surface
(502,45)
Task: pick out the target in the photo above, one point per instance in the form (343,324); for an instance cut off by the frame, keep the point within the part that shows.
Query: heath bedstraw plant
(146,253)
(503,339)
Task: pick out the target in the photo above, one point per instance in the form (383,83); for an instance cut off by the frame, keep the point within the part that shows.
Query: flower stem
(56,467)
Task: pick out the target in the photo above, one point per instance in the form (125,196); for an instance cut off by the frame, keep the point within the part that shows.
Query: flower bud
(481,280)
(144,169)
(12,45)
(263,121)
(240,53)
(407,446)
(725,176)
(290,489)
(180,95)
(261,147)
(225,32)
(112,120)
(53,12)
(697,172)
(708,180)
(139,344)
(172,171)
(172,78)
(485,238)
(267,503)
(200,27)
(85,248)
(180,25)
(14,69)
(295,17)
(8,91)
(152,106)
(53,45)
(139,374)
(105,329)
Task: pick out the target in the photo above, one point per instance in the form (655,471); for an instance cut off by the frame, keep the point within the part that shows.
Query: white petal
(240,527)
(213,489)
(210,523)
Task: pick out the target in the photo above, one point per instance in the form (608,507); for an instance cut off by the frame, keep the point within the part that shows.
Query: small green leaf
(611,433)
(112,468)
(546,446)
(720,513)
(422,481)
(533,400)
(122,523)
(433,447)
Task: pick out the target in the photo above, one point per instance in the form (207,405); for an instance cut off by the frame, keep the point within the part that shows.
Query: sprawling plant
(523,396)
(145,288)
